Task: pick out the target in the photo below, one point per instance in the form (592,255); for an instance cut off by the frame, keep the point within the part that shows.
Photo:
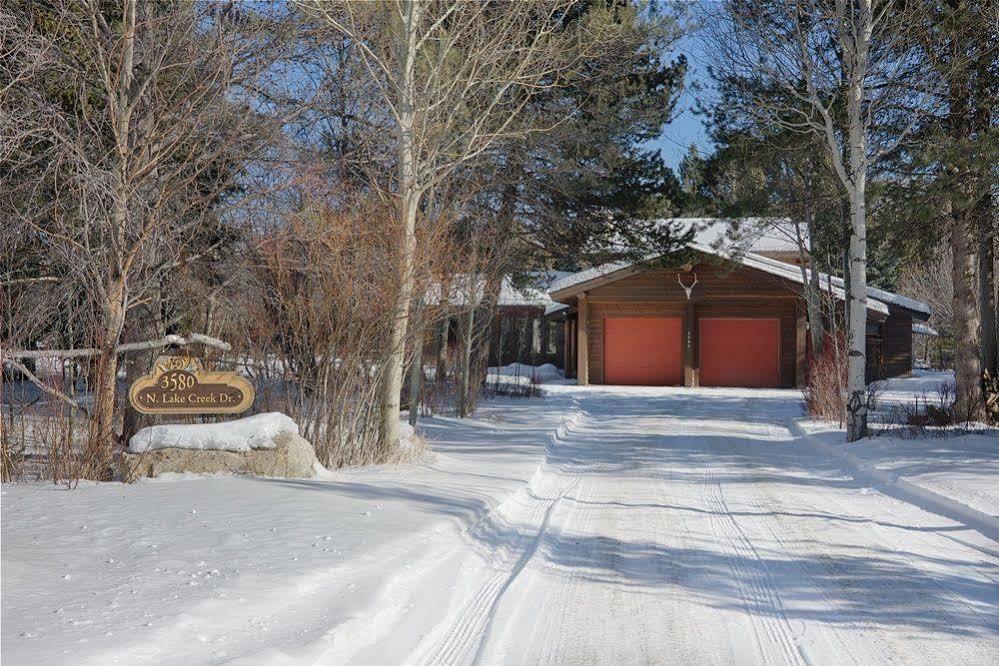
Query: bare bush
(133,123)
(42,438)
(323,300)
(824,392)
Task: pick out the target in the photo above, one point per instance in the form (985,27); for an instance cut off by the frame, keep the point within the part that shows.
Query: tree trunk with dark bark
(465,363)
(987,287)
(967,364)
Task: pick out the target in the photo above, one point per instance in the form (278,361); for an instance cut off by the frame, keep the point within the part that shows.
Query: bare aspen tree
(148,119)
(455,77)
(835,70)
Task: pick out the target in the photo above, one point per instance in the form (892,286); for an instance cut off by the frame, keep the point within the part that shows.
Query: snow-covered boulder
(263,445)
(253,432)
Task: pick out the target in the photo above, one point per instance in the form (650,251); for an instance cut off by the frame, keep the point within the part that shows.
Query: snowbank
(963,468)
(196,570)
(253,432)
(541,373)
(951,476)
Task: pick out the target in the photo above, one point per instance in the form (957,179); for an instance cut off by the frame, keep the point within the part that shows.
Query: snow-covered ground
(955,468)
(964,468)
(654,526)
(207,570)
(923,386)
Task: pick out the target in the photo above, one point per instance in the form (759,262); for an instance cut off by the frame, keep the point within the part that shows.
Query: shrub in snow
(516,387)
(412,447)
(825,390)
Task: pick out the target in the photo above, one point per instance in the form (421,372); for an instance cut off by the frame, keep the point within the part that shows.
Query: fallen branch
(27,280)
(165,341)
(59,395)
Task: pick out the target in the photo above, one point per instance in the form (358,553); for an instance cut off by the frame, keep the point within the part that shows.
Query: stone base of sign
(292,457)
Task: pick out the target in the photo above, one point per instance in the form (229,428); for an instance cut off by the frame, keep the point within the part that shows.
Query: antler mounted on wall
(685,287)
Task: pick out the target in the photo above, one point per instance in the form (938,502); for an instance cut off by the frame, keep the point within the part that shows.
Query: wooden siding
(720,292)
(897,343)
(713,281)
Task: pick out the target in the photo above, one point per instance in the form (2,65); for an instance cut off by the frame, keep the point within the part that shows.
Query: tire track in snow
(889,538)
(564,592)
(873,642)
(573,593)
(474,618)
(465,639)
(796,553)
(683,539)
(756,586)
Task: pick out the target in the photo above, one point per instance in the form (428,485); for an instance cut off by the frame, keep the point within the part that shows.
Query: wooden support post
(800,347)
(690,374)
(582,341)
(567,347)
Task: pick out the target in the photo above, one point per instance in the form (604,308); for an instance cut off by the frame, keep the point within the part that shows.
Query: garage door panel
(739,352)
(643,351)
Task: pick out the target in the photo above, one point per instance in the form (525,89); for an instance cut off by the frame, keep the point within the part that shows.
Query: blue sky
(679,135)
(686,129)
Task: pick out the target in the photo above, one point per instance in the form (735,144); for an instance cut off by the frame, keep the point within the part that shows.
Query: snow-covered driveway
(656,526)
(678,526)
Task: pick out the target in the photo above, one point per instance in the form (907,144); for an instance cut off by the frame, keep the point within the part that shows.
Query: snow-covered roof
(510,295)
(920,328)
(877,299)
(534,294)
(750,234)
(555,307)
(589,274)
(717,236)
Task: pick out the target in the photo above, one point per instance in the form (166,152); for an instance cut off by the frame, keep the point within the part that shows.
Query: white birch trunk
(856,385)
(100,446)
(409,196)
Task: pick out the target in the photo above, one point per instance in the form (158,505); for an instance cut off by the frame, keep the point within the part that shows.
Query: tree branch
(165,341)
(59,395)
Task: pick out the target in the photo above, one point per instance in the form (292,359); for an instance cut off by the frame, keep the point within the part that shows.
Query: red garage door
(643,351)
(739,352)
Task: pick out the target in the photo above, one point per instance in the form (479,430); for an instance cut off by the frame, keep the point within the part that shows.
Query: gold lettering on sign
(181,385)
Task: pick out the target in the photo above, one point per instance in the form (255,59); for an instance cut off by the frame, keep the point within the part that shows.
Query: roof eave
(568,293)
